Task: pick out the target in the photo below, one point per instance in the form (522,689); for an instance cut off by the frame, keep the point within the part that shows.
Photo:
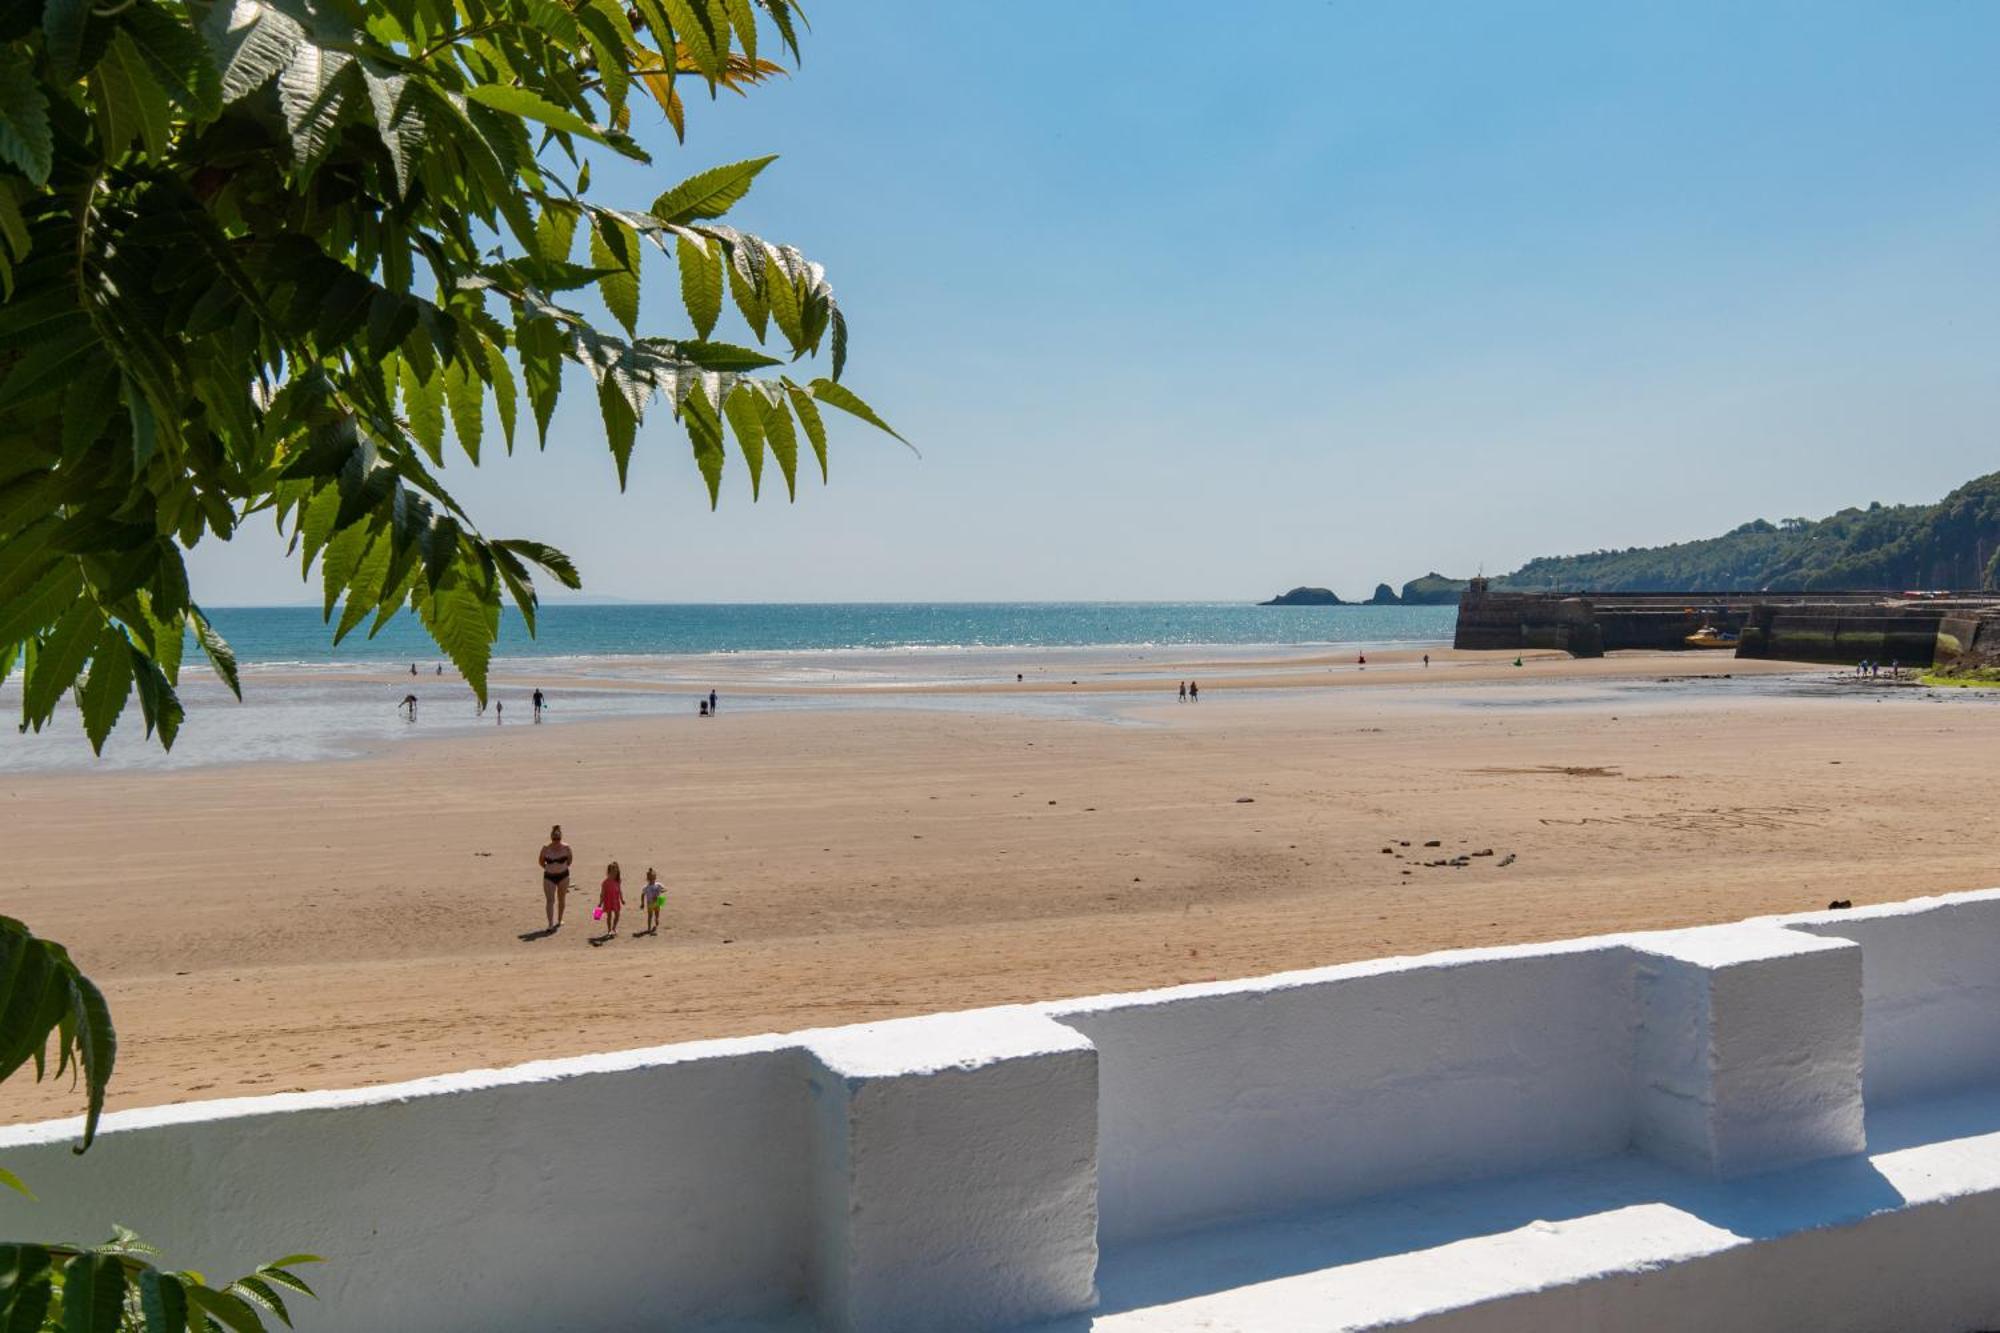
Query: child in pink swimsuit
(611,898)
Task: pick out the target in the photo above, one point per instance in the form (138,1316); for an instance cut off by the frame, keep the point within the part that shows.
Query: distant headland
(1954,543)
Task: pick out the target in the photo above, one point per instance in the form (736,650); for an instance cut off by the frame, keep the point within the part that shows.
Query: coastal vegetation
(1954,543)
(1433,589)
(261,257)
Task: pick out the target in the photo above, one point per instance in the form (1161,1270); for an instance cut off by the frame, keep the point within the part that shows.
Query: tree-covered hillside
(1952,544)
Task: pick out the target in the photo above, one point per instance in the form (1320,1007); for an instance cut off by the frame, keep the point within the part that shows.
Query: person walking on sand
(537,703)
(1194,691)
(651,898)
(556,857)
(712,701)
(409,705)
(1183,691)
(1427,661)
(611,898)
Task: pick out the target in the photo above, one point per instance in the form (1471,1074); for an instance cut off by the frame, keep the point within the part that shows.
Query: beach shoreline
(275,925)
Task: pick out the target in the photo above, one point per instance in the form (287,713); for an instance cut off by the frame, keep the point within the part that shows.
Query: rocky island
(1305,597)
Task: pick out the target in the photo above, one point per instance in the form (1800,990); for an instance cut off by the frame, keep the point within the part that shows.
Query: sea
(307,698)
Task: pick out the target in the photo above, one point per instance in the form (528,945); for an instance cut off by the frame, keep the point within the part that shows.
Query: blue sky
(1199,301)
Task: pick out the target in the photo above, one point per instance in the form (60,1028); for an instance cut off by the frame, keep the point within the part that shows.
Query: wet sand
(275,926)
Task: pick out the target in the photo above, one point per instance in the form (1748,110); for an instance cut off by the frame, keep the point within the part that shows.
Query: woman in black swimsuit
(555,875)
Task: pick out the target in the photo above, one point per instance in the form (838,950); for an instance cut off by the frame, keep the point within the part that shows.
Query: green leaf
(163,1302)
(423,403)
(746,283)
(365,586)
(705,434)
(279,1275)
(501,376)
(548,557)
(93,1294)
(251,42)
(63,25)
(312,93)
(216,648)
(781,289)
(157,700)
(25,141)
(848,401)
(400,127)
(744,19)
(711,356)
(621,424)
(54,590)
(616,252)
(709,194)
(745,409)
(555,231)
(540,348)
(177,58)
(13,1182)
(104,691)
(462,615)
(808,410)
(701,282)
(229,1311)
(520,102)
(254,1288)
(784,446)
(59,660)
(464,394)
(26,1286)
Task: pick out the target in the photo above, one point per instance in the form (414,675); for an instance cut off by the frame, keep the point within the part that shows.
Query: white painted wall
(959,1171)
(1931,990)
(1248,1098)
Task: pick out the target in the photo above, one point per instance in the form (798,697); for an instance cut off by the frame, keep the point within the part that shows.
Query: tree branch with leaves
(266,255)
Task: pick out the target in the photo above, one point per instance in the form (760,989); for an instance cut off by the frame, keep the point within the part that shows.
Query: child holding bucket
(611,898)
(650,898)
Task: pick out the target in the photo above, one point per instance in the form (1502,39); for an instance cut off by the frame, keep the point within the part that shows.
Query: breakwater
(1835,627)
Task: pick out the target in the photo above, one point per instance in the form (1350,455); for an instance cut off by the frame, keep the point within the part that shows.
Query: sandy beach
(356,921)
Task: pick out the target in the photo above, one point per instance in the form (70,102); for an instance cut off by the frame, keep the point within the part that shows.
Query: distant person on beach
(440,669)
(499,712)
(413,668)
(650,898)
(1427,661)
(712,701)
(537,703)
(1194,691)
(556,857)
(1361,659)
(1183,691)
(1017,678)
(611,897)
(408,705)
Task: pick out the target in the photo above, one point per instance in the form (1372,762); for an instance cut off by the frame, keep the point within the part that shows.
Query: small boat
(1708,636)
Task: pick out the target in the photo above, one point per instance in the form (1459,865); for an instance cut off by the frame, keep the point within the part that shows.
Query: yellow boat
(1708,636)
